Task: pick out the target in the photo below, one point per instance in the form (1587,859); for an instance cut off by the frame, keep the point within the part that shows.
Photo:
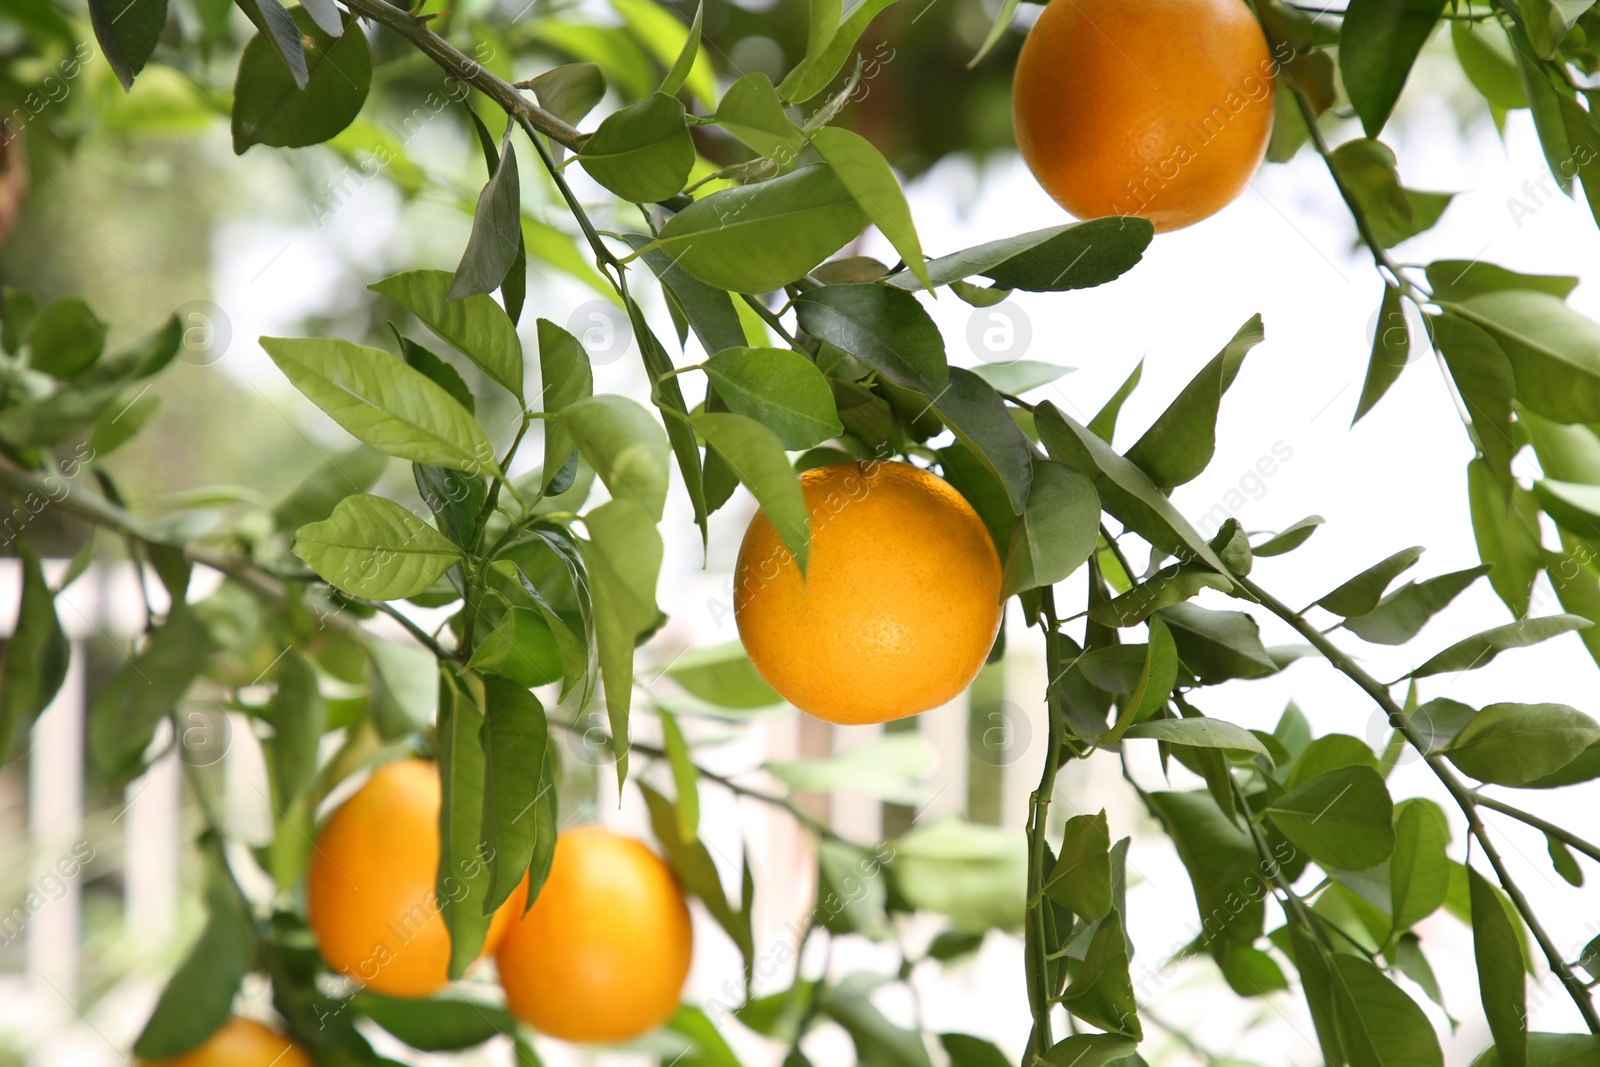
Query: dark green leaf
(1104,424)
(779,388)
(710,311)
(298,718)
(1398,617)
(1554,351)
(981,421)
(1380,1025)
(1574,507)
(884,328)
(1562,859)
(1077,255)
(437,371)
(36,658)
(643,152)
(67,336)
(1093,1050)
(454,497)
(1497,949)
(571,91)
(271,105)
(1289,538)
(1551,1050)
(1217,645)
(514,737)
(1514,744)
(752,112)
(1483,378)
(1171,585)
(1317,985)
(476,326)
(1181,442)
(757,238)
(1391,348)
(462,883)
(282,32)
(1081,877)
(127,31)
(1222,863)
(1479,649)
(1343,819)
(1367,168)
(965,1050)
(1101,992)
(496,238)
(1055,533)
(1507,534)
(372,547)
(1378,42)
(1362,593)
(435,1024)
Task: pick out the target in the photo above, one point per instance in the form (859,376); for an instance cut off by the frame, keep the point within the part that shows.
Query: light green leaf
(1075,255)
(642,153)
(565,378)
(1497,950)
(1458,279)
(36,658)
(1093,1050)
(723,675)
(1021,376)
(1081,878)
(660,29)
(778,388)
(1104,423)
(1507,534)
(891,768)
(1514,744)
(1554,351)
(1343,819)
(1200,733)
(757,238)
(975,875)
(686,56)
(1475,651)
(372,547)
(1362,593)
(864,171)
(827,48)
(67,338)
(1398,617)
(757,457)
(445,1023)
(571,91)
(752,112)
(1419,874)
(625,446)
(476,326)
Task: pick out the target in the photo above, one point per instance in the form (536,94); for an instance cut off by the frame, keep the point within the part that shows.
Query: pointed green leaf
(1497,949)
(864,171)
(1479,649)
(372,547)
(1344,819)
(1362,593)
(778,388)
(642,153)
(757,457)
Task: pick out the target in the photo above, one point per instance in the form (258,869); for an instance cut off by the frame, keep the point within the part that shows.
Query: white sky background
(1398,479)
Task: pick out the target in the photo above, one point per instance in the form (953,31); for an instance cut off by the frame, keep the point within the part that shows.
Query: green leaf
(1479,649)
(975,875)
(496,238)
(1251,973)
(1125,491)
(199,995)
(1200,733)
(625,446)
(642,153)
(1419,871)
(1020,376)
(1547,22)
(757,457)
(1092,1050)
(1367,168)
(1222,863)
(828,48)
(1398,617)
(1483,377)
(752,112)
(1330,753)
(1317,985)
(298,717)
(127,31)
(1104,424)
(892,768)
(36,658)
(685,776)
(1497,949)
(886,329)
(965,1050)
(1551,1050)
(1562,859)
(864,171)
(1181,442)
(661,30)
(1484,53)
(1507,533)
(1076,255)
(1217,645)
(67,339)
(697,873)
(1056,532)
(1362,593)
(1378,42)
(273,106)
(454,497)
(679,73)
(515,738)
(144,690)
(402,696)
(778,388)
(437,371)
(1380,1026)
(372,547)
(446,1023)
(1158,673)
(1574,507)
(1344,819)
(475,325)
(1101,992)
(1289,538)
(1514,744)
(1554,351)
(1171,585)
(1391,350)
(1081,878)
(982,422)
(723,675)
(384,403)
(1544,102)
(623,559)
(336,477)
(462,882)
(1459,279)
(877,1040)
(571,91)
(710,311)
(757,238)
(565,378)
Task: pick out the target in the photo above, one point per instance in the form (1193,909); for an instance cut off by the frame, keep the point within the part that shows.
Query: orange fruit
(603,953)
(899,605)
(241,1043)
(1158,108)
(371,883)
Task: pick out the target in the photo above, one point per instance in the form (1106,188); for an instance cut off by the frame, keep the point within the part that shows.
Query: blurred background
(138,204)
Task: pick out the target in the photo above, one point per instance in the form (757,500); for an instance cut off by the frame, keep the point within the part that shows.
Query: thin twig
(1565,836)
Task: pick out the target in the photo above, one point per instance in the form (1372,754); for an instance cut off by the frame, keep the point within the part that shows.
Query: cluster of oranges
(1140,108)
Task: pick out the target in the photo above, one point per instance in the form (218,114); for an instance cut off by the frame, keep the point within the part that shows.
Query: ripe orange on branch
(1156,108)
(899,605)
(603,953)
(371,885)
(240,1043)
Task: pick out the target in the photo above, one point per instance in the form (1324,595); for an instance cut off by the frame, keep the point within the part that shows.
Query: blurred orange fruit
(899,605)
(371,885)
(1157,108)
(241,1043)
(603,953)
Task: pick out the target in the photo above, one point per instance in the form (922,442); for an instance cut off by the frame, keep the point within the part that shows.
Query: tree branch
(1566,836)
(1464,797)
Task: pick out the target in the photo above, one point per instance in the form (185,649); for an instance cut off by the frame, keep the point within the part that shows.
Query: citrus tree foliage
(816,358)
